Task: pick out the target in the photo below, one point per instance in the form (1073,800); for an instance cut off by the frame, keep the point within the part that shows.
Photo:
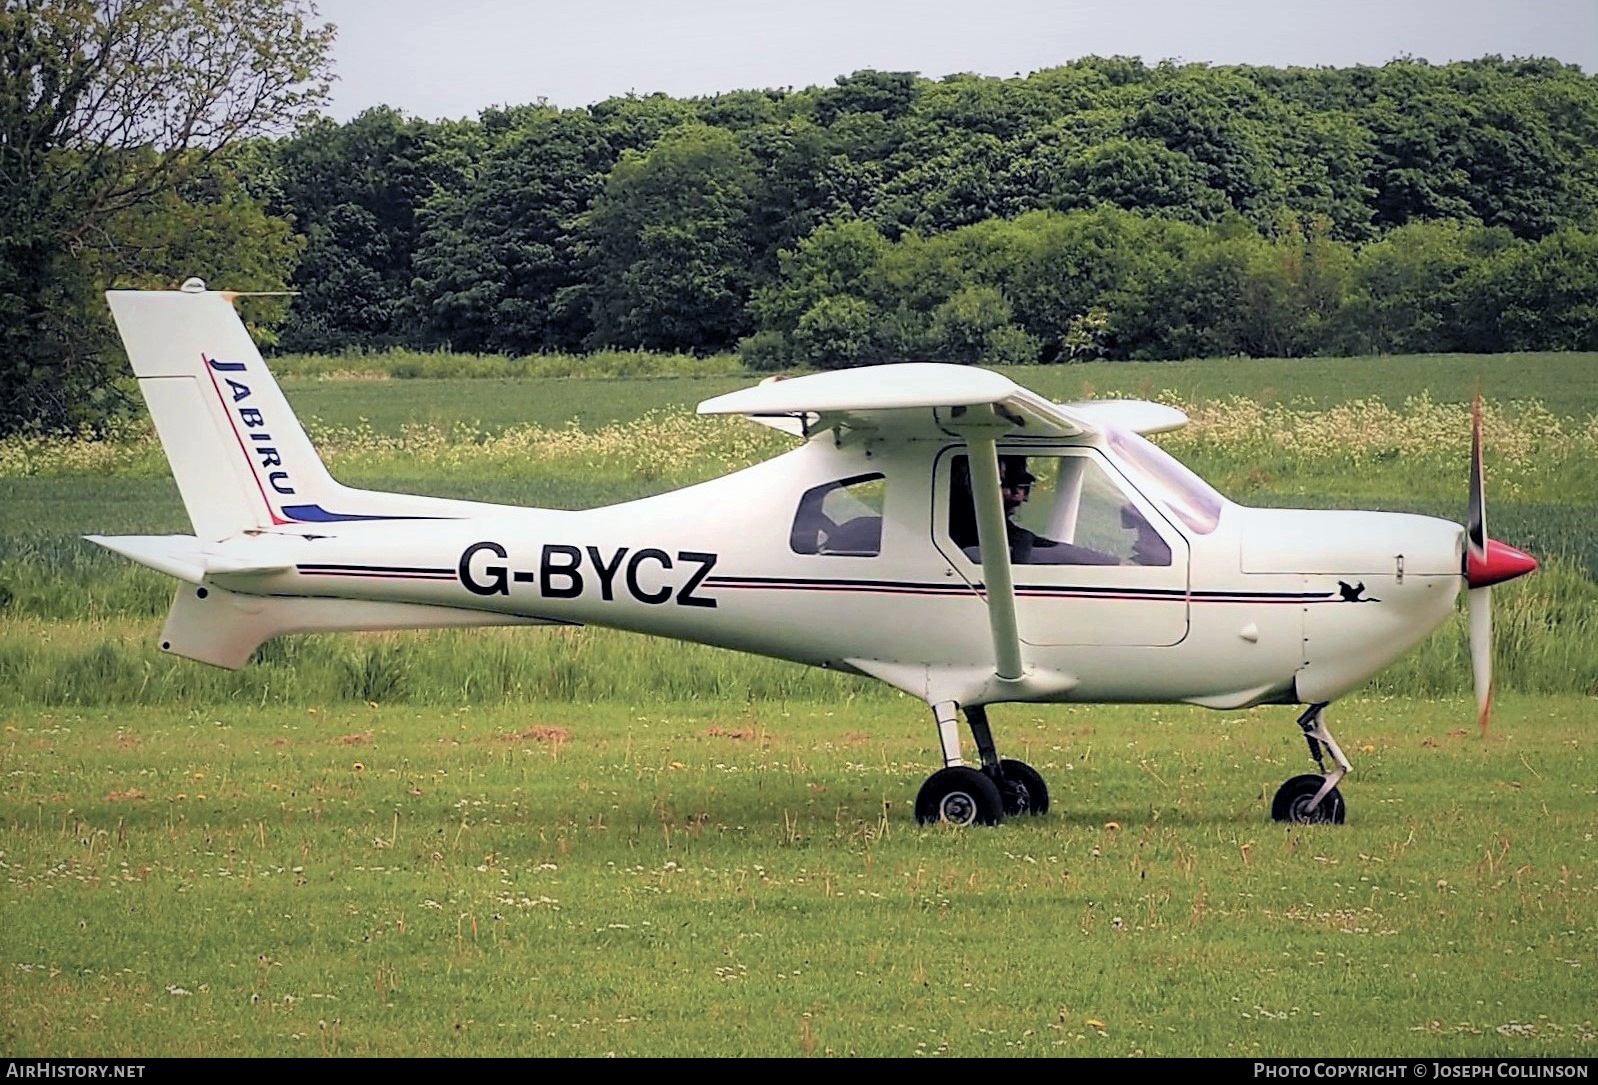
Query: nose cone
(1499,563)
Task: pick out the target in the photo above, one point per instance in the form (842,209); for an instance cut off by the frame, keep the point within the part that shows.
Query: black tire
(1022,789)
(1293,796)
(960,796)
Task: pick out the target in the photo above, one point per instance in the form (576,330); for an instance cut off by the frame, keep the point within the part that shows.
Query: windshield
(1163,478)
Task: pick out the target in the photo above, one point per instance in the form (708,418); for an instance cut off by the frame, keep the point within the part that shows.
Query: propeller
(1487,562)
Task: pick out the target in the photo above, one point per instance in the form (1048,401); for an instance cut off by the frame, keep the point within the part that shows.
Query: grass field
(585,842)
(744,879)
(1566,382)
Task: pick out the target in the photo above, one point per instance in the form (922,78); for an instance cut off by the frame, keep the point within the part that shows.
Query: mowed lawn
(747,879)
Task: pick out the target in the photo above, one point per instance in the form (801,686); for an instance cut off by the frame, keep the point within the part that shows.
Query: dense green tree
(740,110)
(974,325)
(1188,209)
(670,265)
(889,95)
(1405,297)
(969,181)
(803,183)
(837,332)
(1066,265)
(497,268)
(1506,144)
(842,258)
(635,122)
(354,192)
(1222,122)
(1137,175)
(1534,296)
(1002,108)
(212,224)
(1326,164)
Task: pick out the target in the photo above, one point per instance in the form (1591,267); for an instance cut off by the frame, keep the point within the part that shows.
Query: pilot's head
(1015,481)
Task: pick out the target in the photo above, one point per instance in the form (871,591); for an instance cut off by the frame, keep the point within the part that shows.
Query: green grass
(745,879)
(97,646)
(91,658)
(1567,383)
(494,405)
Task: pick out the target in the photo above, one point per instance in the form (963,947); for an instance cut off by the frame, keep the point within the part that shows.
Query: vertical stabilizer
(240,457)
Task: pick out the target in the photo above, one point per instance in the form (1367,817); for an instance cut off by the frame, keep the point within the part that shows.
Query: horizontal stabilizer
(220,627)
(184,556)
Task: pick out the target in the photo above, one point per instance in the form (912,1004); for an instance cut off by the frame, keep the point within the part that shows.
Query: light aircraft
(937,527)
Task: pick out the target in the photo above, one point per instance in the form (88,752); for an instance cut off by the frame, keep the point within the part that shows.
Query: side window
(842,518)
(1058,510)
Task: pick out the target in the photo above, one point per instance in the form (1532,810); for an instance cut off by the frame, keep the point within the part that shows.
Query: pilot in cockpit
(1027,547)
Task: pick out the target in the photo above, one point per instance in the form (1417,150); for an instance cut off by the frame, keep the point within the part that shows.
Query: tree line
(1103,208)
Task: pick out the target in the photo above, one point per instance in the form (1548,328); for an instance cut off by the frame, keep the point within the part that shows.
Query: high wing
(908,401)
(1137,415)
(930,401)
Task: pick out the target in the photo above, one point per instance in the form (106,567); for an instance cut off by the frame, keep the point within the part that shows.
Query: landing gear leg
(1021,786)
(967,796)
(957,793)
(1311,798)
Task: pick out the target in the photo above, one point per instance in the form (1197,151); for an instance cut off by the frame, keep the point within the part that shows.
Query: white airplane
(938,528)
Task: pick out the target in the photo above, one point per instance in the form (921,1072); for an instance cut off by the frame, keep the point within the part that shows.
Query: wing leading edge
(931,401)
(907,401)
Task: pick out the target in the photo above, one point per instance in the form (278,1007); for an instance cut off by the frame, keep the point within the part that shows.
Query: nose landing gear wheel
(1293,798)
(1022,789)
(960,796)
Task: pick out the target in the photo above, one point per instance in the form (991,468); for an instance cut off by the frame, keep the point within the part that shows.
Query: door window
(1059,510)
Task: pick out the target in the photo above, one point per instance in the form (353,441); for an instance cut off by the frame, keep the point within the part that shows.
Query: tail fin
(241,459)
(239,455)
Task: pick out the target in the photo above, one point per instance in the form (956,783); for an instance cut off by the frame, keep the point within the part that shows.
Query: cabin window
(842,518)
(1059,510)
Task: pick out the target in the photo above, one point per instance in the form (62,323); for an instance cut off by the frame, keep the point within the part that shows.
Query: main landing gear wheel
(1293,799)
(1022,789)
(960,796)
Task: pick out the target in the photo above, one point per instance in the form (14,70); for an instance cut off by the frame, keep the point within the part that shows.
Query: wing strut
(996,575)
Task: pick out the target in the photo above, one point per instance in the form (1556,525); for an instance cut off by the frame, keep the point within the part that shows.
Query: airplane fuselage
(1262,607)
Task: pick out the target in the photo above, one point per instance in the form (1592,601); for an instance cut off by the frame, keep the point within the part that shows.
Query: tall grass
(1567,381)
(1532,450)
(117,662)
(1545,640)
(1366,445)
(99,648)
(1318,381)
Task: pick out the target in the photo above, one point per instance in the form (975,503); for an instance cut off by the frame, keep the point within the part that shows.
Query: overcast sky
(451,59)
